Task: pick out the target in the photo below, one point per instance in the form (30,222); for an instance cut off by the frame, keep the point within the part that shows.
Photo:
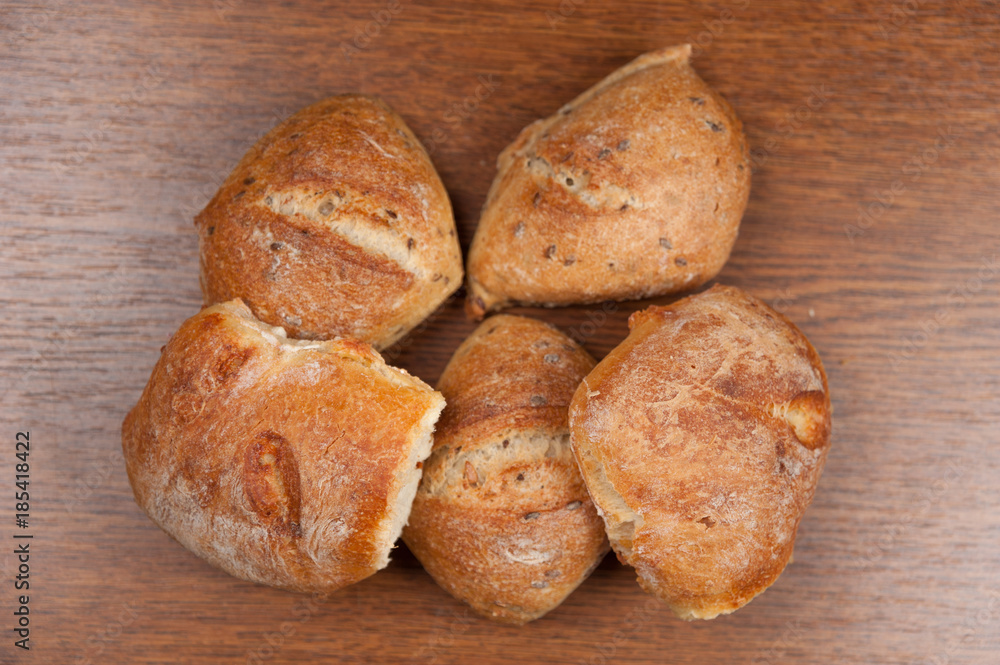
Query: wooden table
(873,223)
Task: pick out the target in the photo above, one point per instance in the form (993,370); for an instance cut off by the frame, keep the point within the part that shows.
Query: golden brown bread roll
(283,462)
(502,519)
(635,188)
(701,438)
(334,224)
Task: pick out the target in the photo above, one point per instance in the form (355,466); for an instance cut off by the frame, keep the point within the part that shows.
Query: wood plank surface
(873,223)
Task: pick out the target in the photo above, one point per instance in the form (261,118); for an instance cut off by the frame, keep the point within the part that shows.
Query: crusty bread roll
(701,438)
(502,519)
(334,224)
(283,462)
(635,188)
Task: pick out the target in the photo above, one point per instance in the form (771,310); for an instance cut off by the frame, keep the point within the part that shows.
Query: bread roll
(283,462)
(701,438)
(502,519)
(334,223)
(635,188)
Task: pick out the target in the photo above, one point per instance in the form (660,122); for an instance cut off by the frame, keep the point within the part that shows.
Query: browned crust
(275,460)
(712,423)
(502,519)
(636,188)
(334,223)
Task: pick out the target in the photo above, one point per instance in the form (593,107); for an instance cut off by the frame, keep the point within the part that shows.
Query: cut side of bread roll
(284,462)
(702,438)
(636,188)
(334,224)
(502,519)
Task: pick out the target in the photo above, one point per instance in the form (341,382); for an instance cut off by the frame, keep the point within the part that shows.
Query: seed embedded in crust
(624,145)
(573,505)
(326,208)
(538,400)
(681,261)
(531,516)
(550,251)
(665,244)
(551,358)
(470,473)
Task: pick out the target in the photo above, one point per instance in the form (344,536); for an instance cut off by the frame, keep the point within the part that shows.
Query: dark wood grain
(118,119)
